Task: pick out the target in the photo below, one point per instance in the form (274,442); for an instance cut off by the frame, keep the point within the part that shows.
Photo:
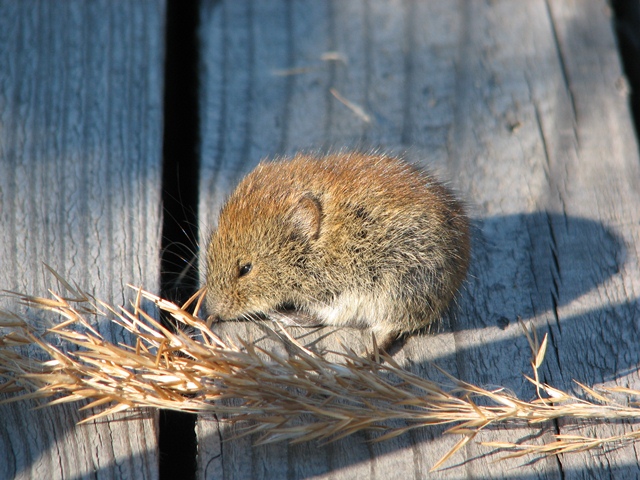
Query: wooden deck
(522,106)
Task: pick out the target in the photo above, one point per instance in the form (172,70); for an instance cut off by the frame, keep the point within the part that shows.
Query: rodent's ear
(307,216)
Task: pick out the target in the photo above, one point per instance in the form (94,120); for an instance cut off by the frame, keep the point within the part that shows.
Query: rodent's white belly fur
(353,309)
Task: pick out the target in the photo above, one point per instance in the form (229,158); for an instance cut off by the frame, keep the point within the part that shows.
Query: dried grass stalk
(298,398)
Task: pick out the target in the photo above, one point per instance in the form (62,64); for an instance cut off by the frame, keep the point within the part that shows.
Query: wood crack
(178,277)
(563,66)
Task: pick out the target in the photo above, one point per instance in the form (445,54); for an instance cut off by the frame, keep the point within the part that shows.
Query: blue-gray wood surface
(80,174)
(523,106)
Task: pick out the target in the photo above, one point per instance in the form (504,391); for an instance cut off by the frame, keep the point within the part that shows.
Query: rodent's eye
(244,269)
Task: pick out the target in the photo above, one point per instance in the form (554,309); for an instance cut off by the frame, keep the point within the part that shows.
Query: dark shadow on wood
(177,439)
(627,23)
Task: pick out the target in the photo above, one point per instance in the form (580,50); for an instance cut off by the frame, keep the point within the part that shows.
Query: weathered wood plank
(80,178)
(561,215)
(523,105)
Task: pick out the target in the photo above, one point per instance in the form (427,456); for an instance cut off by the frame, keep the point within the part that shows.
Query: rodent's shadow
(549,259)
(559,272)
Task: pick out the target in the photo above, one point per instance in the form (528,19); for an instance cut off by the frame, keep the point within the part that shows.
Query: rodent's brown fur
(362,240)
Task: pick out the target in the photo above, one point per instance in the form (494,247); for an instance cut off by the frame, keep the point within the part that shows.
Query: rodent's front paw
(212,320)
(295,318)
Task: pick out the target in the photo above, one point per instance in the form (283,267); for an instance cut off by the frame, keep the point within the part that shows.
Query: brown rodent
(350,239)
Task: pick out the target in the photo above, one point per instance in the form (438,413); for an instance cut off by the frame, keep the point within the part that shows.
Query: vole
(347,239)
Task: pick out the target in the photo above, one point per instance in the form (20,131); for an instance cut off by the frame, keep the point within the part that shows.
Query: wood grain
(80,171)
(523,106)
